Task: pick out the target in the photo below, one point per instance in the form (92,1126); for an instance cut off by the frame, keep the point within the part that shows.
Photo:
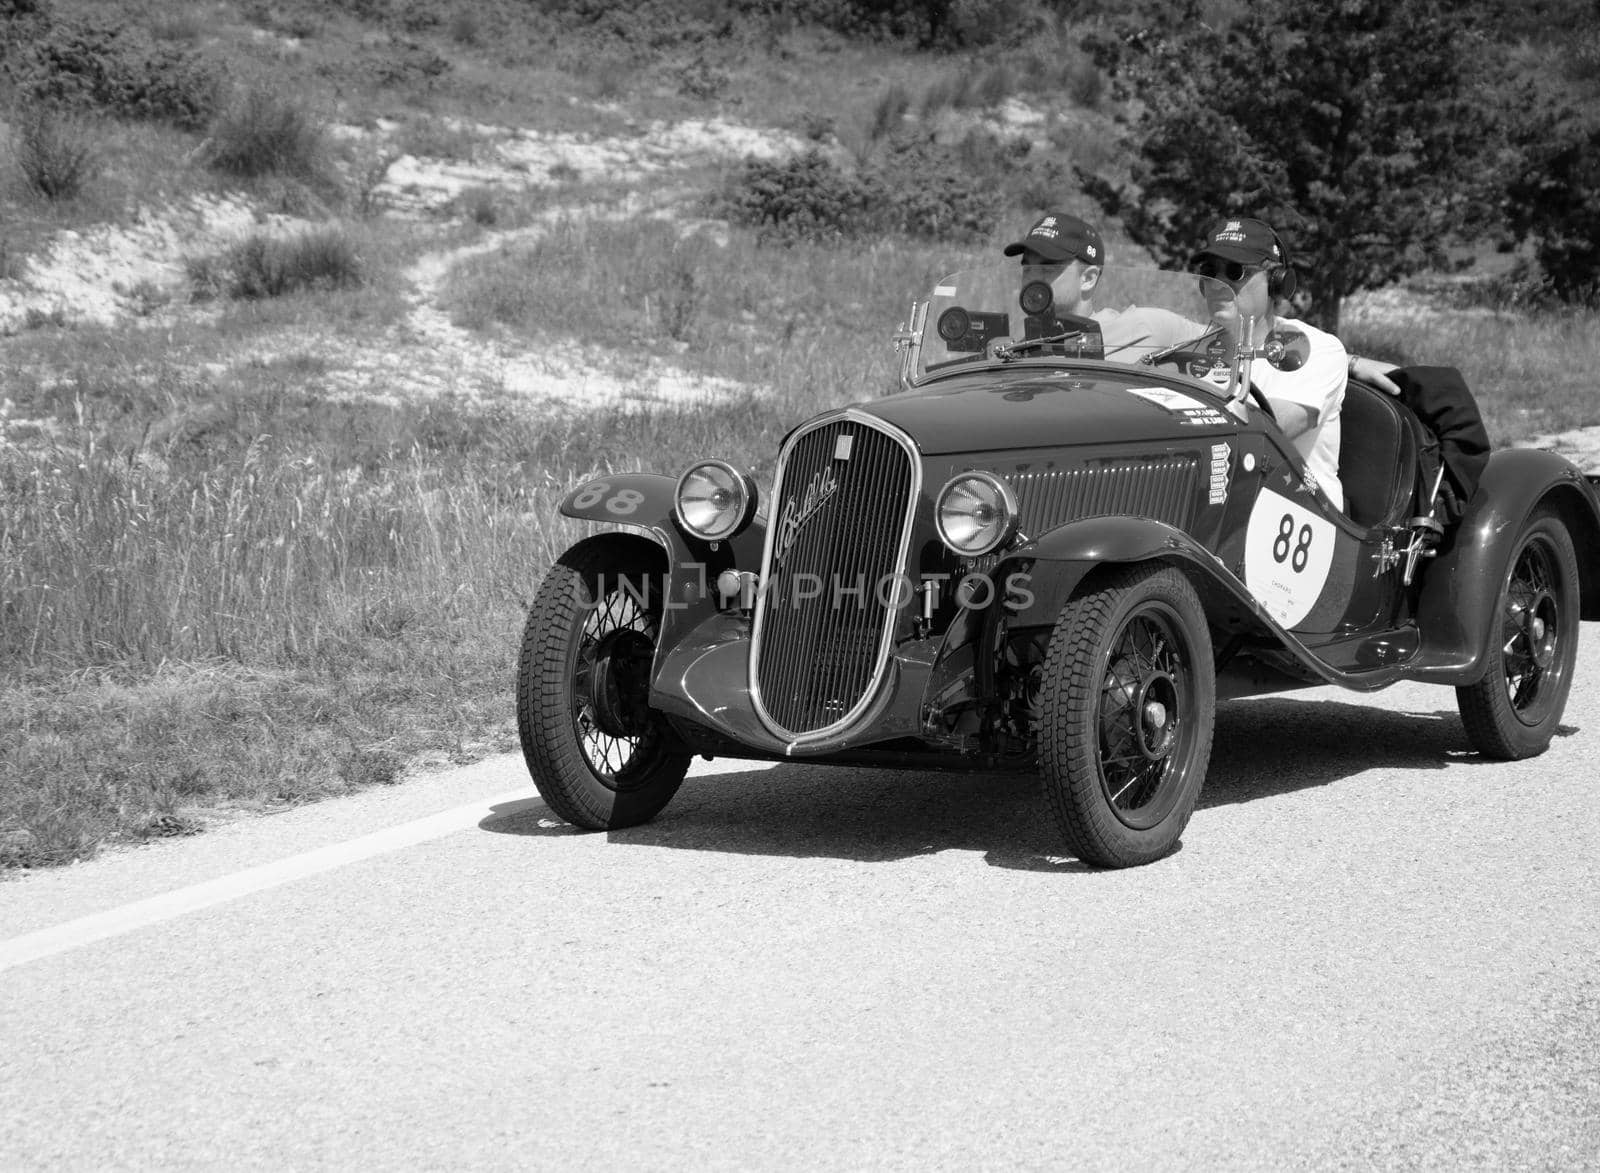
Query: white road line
(125,919)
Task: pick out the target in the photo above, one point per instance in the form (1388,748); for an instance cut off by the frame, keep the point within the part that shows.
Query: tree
(1557,203)
(1370,133)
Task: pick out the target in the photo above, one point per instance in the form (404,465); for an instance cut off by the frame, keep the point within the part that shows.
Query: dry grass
(1531,372)
(271,597)
(746,311)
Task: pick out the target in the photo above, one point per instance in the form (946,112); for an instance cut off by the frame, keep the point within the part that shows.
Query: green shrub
(180,26)
(1085,84)
(912,186)
(479,205)
(13,263)
(56,153)
(940,192)
(109,65)
(263,133)
(438,138)
(817,128)
(404,63)
(888,112)
(702,78)
(464,29)
(803,198)
(265,266)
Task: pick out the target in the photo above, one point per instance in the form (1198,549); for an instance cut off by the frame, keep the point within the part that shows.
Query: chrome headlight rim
(1002,495)
(738,515)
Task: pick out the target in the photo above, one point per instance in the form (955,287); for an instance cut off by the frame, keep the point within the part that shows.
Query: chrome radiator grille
(833,579)
(1163,488)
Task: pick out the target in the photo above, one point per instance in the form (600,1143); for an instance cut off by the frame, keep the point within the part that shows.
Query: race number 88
(622,502)
(1296,554)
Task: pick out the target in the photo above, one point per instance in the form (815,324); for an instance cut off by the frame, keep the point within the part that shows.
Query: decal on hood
(1186,408)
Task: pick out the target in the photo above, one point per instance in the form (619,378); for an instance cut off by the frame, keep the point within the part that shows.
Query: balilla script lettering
(796,512)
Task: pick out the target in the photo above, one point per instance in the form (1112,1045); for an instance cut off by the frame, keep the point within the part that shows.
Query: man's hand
(1370,370)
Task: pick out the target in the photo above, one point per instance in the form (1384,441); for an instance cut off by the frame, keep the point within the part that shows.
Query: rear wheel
(1514,710)
(1129,703)
(600,756)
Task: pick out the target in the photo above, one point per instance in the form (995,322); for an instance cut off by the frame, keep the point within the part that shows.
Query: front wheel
(1514,710)
(1129,704)
(600,756)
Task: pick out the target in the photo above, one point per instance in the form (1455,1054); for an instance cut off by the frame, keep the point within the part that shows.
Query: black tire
(1514,711)
(1129,705)
(599,755)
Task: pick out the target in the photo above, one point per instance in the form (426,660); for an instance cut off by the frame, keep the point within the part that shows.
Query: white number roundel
(1288,551)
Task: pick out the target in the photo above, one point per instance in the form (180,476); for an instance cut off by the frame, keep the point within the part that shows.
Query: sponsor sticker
(1186,408)
(1221,466)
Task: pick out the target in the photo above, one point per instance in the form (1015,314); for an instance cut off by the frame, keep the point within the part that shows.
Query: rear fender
(1460,588)
(642,502)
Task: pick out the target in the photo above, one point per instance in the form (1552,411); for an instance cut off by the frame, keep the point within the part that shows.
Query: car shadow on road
(1262,748)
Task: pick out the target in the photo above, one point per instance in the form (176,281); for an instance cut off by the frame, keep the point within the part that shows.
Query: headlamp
(975,513)
(714,500)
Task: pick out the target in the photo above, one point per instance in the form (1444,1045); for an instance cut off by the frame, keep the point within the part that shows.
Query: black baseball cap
(1250,242)
(1059,236)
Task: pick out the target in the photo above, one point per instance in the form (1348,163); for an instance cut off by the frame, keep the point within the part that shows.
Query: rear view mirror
(1287,349)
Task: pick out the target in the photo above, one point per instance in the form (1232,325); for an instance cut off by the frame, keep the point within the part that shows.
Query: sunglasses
(1230,271)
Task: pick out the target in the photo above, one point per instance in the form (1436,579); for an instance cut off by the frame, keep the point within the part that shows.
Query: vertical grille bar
(837,525)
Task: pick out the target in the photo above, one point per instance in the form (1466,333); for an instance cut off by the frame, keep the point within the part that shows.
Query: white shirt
(1319,386)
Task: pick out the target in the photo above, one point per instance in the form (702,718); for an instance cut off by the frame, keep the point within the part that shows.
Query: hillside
(311,313)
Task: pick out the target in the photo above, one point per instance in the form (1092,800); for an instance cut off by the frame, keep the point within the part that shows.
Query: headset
(1281,278)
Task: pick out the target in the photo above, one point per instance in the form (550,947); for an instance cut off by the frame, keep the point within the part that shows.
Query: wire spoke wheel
(601,757)
(611,684)
(1141,714)
(1514,711)
(1128,711)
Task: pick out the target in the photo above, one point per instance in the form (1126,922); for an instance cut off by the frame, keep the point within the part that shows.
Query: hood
(994,411)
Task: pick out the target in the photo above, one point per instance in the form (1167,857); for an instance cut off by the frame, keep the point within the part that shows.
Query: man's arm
(1301,399)
(1294,419)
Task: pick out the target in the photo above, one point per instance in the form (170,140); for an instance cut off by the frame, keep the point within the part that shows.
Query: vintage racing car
(1048,553)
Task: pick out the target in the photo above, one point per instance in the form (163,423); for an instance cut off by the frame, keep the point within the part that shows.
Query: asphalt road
(1374,949)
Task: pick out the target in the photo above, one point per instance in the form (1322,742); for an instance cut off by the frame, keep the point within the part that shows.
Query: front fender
(1053,564)
(643,501)
(1460,588)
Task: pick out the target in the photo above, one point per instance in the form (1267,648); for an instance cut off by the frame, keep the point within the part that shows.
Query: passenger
(1250,257)
(1061,240)
(1072,250)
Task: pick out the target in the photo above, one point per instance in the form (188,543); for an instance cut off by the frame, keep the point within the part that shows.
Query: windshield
(1009,313)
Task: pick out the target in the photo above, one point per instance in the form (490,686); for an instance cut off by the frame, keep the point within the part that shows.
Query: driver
(1249,256)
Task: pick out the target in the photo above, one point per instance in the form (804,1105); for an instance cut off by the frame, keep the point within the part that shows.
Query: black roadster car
(1053,551)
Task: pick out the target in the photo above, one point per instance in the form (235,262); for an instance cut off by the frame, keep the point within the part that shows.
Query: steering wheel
(1263,402)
